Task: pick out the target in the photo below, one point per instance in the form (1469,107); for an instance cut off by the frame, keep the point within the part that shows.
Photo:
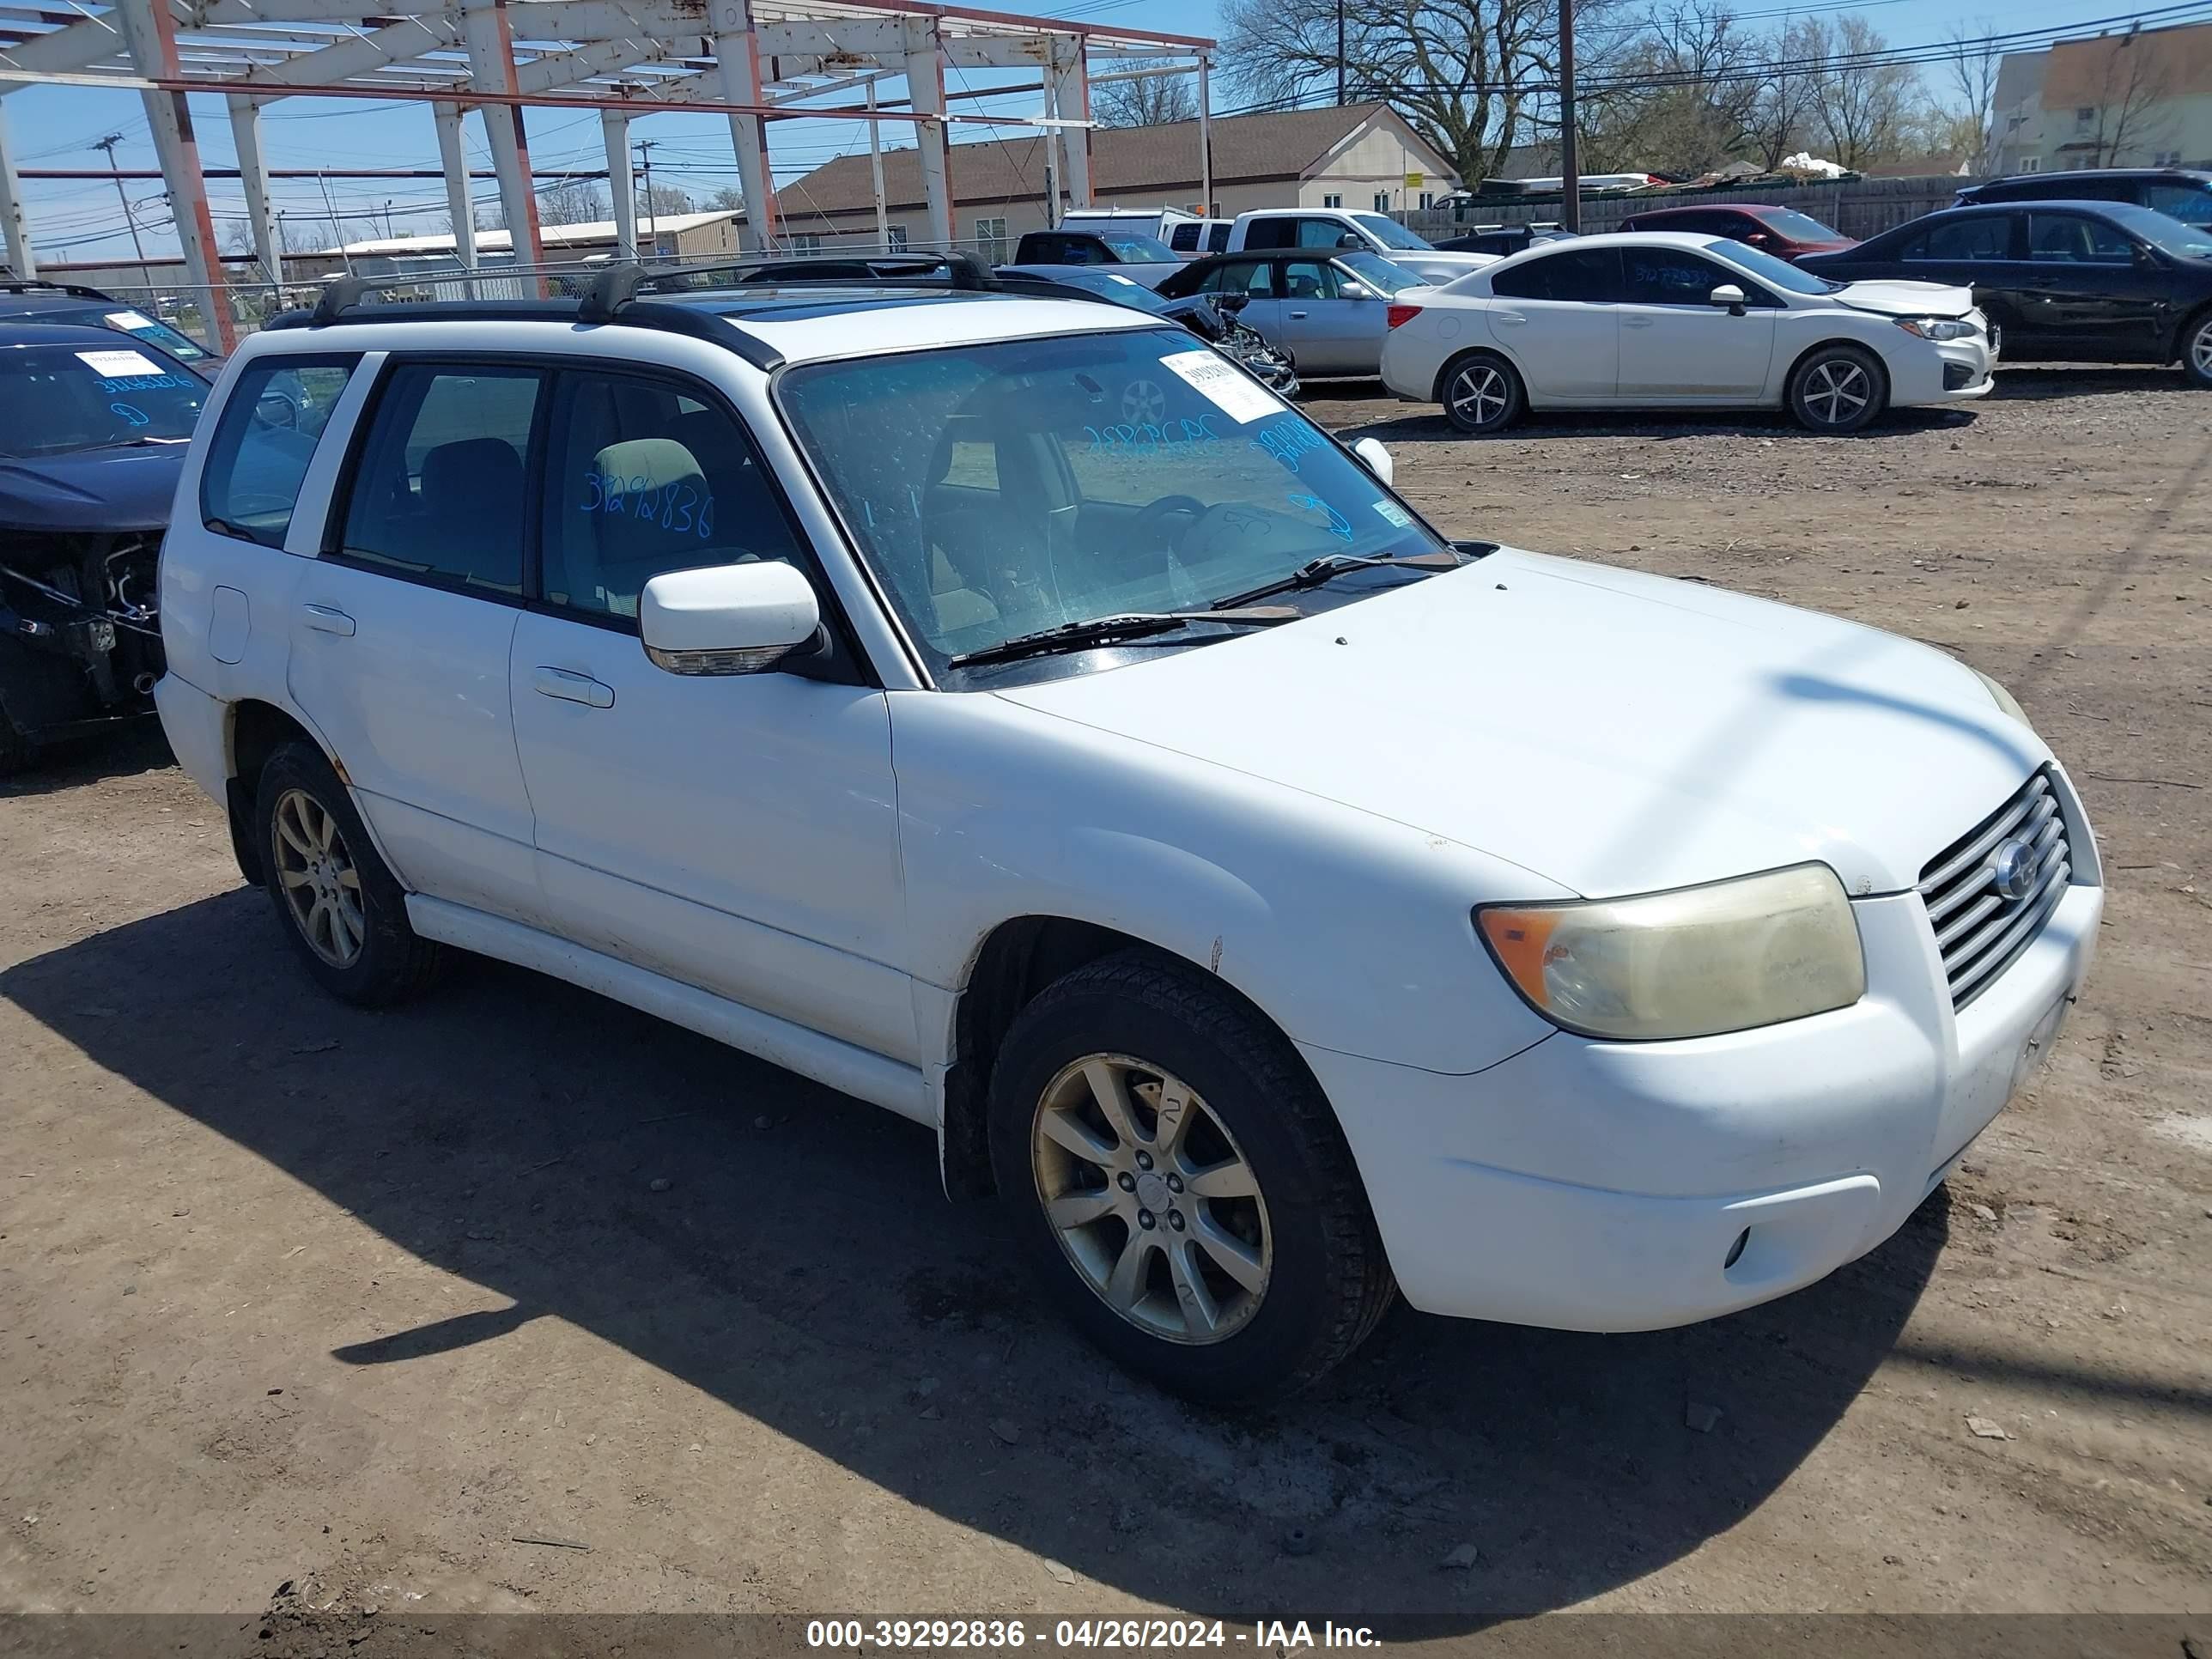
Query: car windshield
(2171,235)
(1802,227)
(1780,273)
(1140,250)
(1391,234)
(136,324)
(997,488)
(1123,290)
(1378,273)
(55,398)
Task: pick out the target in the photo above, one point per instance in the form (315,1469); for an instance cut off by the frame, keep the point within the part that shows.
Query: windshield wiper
(1314,572)
(1109,630)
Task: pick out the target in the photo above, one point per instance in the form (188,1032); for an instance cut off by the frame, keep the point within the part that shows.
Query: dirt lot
(294,1294)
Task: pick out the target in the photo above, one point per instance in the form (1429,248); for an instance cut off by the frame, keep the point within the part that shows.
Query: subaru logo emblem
(2013,868)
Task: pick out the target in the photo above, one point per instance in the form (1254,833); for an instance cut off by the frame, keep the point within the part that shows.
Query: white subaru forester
(1007,712)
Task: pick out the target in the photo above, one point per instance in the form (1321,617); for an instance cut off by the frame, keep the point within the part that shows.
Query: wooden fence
(1857,207)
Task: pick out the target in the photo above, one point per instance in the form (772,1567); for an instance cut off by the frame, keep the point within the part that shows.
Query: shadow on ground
(126,749)
(808,1274)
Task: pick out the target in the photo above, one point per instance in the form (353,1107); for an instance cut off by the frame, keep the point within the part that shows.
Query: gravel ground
(363,1304)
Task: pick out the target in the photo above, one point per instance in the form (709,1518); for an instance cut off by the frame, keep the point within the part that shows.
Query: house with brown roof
(2131,99)
(1360,156)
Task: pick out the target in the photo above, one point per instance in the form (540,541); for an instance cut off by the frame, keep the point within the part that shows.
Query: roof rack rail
(962,269)
(13,284)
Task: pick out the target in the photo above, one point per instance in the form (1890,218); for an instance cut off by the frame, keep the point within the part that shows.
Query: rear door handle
(1636,322)
(572,687)
(327,619)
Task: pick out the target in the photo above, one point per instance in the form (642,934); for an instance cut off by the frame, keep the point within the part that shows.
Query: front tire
(342,908)
(2196,347)
(1839,389)
(17,751)
(1181,1185)
(1481,393)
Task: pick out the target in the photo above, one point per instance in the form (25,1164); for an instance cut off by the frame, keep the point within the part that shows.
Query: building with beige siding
(2139,98)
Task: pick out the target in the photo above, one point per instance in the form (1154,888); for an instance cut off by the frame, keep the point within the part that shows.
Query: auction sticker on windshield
(118,365)
(1227,388)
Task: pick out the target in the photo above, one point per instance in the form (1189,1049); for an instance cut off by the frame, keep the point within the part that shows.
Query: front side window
(641,478)
(56,398)
(1309,279)
(2072,239)
(267,436)
(1588,275)
(1321,233)
(1669,276)
(438,489)
(997,489)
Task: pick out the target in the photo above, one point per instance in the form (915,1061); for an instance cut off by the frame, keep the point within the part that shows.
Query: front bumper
(1605,1187)
(1945,372)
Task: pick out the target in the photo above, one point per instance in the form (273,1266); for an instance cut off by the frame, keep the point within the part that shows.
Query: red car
(1783,232)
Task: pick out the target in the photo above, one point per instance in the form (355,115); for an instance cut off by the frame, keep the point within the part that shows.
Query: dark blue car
(93,427)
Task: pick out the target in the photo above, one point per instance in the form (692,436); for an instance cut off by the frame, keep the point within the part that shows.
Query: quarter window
(261,449)
(642,478)
(438,493)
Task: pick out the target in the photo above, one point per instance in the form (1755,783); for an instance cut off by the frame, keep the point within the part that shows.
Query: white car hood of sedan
(1617,732)
(1907,298)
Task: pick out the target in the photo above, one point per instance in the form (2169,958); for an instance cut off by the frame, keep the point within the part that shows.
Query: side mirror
(1353,291)
(726,618)
(1376,458)
(1349,241)
(1728,294)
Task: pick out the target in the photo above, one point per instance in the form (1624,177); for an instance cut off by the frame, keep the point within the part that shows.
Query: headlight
(1690,962)
(1937,328)
(2002,698)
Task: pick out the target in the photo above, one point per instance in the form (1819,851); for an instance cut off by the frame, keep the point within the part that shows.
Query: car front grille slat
(1979,930)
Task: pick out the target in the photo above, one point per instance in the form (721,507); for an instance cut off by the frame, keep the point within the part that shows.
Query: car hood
(91,489)
(1438,264)
(1907,298)
(1616,732)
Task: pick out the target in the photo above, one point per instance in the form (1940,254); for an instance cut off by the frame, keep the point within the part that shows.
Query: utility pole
(1571,183)
(1339,52)
(644,149)
(108,144)
(337,231)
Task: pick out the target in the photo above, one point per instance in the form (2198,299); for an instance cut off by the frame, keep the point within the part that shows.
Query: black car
(2072,281)
(1502,239)
(25,300)
(2183,193)
(1212,317)
(93,427)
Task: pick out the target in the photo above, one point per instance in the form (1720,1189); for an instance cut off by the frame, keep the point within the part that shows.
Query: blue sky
(77,222)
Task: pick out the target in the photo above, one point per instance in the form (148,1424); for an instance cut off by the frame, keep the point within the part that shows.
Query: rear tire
(17,751)
(2196,349)
(1481,393)
(1181,1185)
(342,908)
(1839,389)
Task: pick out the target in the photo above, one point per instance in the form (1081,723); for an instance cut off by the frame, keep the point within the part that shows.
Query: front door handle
(572,687)
(327,619)
(1636,322)
(1298,315)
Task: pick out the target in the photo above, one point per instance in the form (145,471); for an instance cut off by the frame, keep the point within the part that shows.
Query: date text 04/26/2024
(1265,1635)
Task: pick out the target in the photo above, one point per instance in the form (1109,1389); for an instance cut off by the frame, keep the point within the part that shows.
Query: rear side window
(644,478)
(1272,233)
(1588,274)
(438,489)
(1985,236)
(1185,237)
(262,444)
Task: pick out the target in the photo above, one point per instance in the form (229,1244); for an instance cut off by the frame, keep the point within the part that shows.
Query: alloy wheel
(1837,390)
(2200,350)
(321,885)
(1152,1198)
(1478,394)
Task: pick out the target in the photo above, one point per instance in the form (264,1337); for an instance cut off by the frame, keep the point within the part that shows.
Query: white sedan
(1666,320)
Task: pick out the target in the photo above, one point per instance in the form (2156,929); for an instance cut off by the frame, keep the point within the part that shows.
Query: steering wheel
(1152,516)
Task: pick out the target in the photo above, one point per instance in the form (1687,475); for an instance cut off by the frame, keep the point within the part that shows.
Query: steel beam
(1205,136)
(152,33)
(17,234)
(622,186)
(491,67)
(253,172)
(876,176)
(737,53)
(361,54)
(453,155)
(1073,103)
(562,69)
(925,82)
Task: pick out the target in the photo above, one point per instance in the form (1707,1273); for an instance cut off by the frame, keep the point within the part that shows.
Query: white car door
(1555,315)
(399,630)
(1675,342)
(738,832)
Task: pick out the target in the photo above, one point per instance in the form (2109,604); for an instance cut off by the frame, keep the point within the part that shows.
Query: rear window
(262,444)
(2191,204)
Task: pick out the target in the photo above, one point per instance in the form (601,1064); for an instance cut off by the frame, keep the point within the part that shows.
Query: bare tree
(1966,109)
(2131,86)
(572,202)
(662,200)
(1862,105)
(1471,77)
(728,198)
(1678,96)
(1152,101)
(1781,102)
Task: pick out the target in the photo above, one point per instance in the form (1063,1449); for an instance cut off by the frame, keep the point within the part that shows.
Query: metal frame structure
(754,61)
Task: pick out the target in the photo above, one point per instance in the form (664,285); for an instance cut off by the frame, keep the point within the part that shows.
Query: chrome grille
(1979,930)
